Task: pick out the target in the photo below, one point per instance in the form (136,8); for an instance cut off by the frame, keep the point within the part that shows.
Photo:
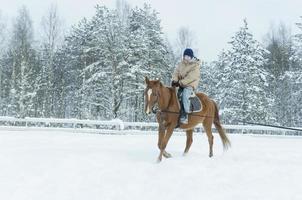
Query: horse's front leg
(161,135)
(164,142)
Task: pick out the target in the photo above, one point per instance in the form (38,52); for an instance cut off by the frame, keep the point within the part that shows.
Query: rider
(187,76)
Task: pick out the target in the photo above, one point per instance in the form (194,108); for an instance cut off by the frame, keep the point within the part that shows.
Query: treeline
(97,73)
(97,70)
(258,83)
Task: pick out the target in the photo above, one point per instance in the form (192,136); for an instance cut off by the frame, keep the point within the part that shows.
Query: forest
(96,70)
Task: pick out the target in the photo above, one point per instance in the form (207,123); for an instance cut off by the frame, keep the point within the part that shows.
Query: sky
(213,22)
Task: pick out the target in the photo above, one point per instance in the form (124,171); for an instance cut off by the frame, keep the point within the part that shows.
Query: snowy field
(44,165)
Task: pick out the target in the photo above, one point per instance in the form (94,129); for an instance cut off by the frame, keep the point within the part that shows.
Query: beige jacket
(187,73)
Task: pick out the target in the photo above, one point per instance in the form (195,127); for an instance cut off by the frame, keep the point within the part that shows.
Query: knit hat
(189,52)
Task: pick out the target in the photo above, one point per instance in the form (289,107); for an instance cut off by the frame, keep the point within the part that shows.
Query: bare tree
(123,9)
(185,39)
(52,28)
(2,33)
(279,44)
(2,46)
(52,35)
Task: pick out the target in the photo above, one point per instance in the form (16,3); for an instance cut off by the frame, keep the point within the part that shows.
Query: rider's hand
(175,84)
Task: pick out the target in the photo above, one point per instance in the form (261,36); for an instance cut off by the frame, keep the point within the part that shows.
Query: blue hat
(189,52)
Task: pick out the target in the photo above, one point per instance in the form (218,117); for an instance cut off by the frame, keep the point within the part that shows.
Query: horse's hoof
(167,155)
(185,154)
(158,160)
(211,155)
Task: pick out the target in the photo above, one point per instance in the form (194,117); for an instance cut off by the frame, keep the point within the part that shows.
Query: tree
(123,11)
(279,45)
(293,80)
(281,61)
(23,64)
(96,73)
(2,34)
(185,39)
(4,75)
(211,75)
(51,36)
(244,80)
(149,56)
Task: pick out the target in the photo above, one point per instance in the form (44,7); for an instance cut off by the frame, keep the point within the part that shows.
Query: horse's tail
(225,140)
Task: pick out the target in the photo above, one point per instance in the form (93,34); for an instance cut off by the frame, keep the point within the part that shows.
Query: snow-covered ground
(44,165)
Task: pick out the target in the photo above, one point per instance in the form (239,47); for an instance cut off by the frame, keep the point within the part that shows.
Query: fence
(120,127)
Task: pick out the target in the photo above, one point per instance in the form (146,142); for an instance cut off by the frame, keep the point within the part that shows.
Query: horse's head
(152,94)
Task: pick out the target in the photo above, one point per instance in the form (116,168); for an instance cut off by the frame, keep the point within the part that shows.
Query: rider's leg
(187,92)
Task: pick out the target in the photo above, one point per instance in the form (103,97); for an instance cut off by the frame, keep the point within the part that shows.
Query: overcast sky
(212,21)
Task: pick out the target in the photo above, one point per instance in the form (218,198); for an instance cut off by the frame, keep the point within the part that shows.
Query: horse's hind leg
(189,140)
(207,125)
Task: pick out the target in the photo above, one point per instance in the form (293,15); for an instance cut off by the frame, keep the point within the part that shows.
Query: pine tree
(212,77)
(293,80)
(24,68)
(74,50)
(149,56)
(98,71)
(4,75)
(106,71)
(244,81)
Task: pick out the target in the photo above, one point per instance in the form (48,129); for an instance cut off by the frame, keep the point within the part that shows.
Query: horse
(167,115)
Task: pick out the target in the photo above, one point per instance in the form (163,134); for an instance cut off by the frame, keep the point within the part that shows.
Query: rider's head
(188,54)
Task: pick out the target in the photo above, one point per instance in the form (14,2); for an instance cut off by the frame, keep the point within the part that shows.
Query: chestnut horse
(156,94)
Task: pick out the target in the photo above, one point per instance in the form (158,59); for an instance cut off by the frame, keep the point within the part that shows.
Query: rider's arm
(175,76)
(193,75)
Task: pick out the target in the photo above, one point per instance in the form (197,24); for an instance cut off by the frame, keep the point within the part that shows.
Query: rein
(273,126)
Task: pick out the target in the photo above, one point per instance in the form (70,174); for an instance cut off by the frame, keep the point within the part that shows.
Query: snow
(41,164)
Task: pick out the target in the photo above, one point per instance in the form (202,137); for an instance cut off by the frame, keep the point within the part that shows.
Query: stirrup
(184,120)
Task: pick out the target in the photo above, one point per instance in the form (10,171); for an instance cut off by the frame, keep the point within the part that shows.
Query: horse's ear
(146,80)
(158,82)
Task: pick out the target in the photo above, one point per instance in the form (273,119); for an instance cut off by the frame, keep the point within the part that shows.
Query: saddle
(195,103)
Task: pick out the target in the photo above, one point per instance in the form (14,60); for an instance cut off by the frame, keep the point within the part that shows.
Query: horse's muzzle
(147,110)
(154,110)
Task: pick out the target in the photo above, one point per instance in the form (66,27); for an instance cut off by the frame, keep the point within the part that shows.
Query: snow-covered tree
(293,80)
(22,61)
(103,78)
(3,33)
(211,76)
(3,71)
(280,47)
(243,80)
(148,55)
(51,36)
